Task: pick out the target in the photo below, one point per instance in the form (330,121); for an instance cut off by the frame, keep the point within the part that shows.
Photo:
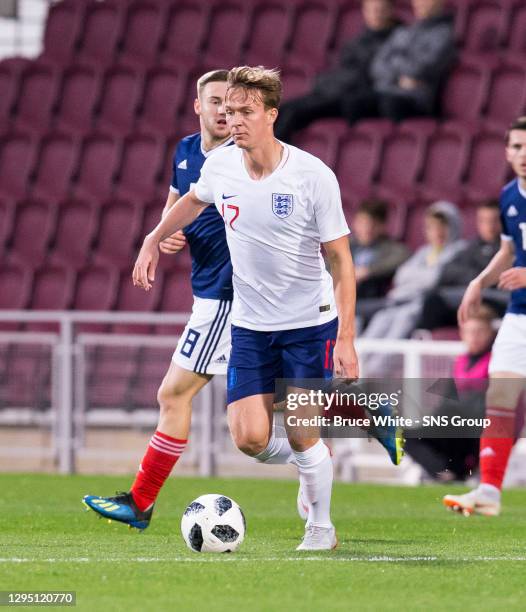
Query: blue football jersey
(211,265)
(513,217)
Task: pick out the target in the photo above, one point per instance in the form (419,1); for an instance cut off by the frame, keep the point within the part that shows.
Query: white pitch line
(232,559)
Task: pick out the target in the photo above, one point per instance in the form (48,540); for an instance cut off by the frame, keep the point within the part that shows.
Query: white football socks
(316,474)
(278,449)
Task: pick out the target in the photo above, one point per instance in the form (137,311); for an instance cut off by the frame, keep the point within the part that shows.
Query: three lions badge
(282,204)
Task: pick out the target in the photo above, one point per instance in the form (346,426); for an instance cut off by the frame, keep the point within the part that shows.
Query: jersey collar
(221,146)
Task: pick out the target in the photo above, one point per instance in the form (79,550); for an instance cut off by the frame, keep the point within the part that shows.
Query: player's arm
(175,242)
(497,269)
(181,214)
(342,270)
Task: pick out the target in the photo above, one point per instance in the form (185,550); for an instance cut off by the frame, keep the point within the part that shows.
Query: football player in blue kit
(507,367)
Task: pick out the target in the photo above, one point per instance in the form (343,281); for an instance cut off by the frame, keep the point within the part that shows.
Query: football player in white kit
(204,347)
(507,368)
(289,318)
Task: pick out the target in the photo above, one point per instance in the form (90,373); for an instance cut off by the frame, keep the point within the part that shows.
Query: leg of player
(175,396)
(502,399)
(315,469)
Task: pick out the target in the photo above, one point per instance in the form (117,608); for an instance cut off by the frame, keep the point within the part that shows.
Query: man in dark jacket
(441,304)
(352,74)
(409,69)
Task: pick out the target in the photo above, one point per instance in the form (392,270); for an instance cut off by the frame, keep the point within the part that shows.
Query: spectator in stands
(403,306)
(441,304)
(455,458)
(331,87)
(409,68)
(376,256)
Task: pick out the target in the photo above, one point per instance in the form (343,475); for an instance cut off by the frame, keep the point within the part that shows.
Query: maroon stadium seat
(111,372)
(414,230)
(223,49)
(7,215)
(9,88)
(296,82)
(177,292)
(445,158)
(118,232)
(401,160)
(487,166)
(134,299)
(163,94)
(186,28)
(144,27)
(99,158)
(78,97)
(484,26)
(63,25)
(357,164)
(318,142)
(313,26)
(269,33)
(141,160)
(95,289)
(349,23)
(466,90)
(27,377)
(76,226)
(17,155)
(100,33)
(153,364)
(33,227)
(122,88)
(52,290)
(15,281)
(38,91)
(517,33)
(56,161)
(507,97)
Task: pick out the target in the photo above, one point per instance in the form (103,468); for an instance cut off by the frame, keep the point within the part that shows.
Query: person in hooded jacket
(409,69)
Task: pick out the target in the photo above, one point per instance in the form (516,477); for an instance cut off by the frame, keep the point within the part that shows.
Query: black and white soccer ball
(213,523)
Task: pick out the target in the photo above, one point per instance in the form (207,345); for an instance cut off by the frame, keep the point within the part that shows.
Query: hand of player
(345,360)
(514,278)
(470,302)
(146,264)
(173,244)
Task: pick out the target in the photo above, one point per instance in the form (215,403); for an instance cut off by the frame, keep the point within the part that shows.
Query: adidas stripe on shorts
(204,346)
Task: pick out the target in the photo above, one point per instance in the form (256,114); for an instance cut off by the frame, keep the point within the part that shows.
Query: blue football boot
(120,508)
(390,437)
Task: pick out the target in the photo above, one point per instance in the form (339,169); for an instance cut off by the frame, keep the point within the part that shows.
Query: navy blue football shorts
(259,358)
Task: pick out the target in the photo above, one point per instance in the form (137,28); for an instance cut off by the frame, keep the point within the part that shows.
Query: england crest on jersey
(282,204)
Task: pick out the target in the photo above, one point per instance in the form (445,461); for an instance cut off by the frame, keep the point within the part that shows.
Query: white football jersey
(274,228)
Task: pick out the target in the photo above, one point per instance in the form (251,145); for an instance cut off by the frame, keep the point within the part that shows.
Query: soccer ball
(213,523)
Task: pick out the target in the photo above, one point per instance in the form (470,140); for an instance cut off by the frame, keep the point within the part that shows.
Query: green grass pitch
(399,550)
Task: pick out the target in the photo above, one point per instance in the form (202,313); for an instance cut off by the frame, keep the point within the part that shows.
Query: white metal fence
(58,382)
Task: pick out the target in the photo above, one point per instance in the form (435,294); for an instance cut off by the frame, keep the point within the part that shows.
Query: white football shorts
(204,346)
(509,349)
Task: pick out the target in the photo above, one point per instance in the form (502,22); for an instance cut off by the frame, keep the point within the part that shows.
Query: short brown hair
(491,204)
(484,313)
(376,209)
(518,124)
(260,80)
(214,76)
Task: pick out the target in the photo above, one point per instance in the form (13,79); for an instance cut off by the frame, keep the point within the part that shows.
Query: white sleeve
(328,206)
(203,188)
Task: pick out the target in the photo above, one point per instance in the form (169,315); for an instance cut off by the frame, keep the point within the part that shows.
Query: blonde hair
(213,76)
(262,81)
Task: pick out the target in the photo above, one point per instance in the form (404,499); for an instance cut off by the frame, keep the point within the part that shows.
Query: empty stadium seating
(88,129)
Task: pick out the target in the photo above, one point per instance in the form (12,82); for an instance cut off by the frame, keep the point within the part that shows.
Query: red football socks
(495,445)
(161,455)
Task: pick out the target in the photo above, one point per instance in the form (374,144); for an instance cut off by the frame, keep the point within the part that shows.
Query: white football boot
(474,502)
(318,538)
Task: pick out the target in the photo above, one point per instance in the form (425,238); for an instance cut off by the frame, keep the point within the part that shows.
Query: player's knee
(248,441)
(171,398)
